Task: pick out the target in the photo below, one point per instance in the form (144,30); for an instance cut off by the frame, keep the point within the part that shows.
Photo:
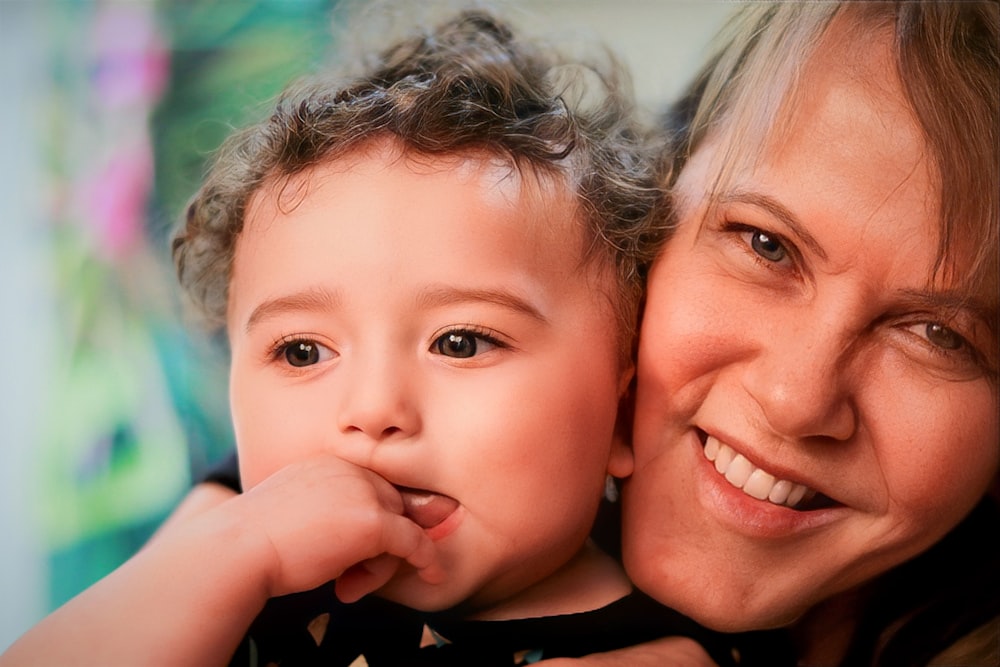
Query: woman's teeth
(754,482)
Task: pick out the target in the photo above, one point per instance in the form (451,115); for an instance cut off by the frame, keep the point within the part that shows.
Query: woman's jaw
(729,560)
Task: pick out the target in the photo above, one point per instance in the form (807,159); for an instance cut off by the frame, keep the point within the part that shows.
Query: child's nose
(376,400)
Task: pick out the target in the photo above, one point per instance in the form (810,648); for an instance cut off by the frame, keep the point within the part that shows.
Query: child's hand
(315,519)
(359,580)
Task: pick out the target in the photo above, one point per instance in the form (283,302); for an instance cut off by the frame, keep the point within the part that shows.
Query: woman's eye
(461,344)
(301,353)
(950,350)
(940,336)
(767,246)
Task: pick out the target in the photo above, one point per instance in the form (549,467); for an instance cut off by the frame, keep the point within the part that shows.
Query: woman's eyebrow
(776,209)
(311,299)
(446,295)
(949,301)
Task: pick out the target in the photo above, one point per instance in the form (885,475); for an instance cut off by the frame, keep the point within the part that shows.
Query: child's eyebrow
(318,299)
(448,295)
(312,299)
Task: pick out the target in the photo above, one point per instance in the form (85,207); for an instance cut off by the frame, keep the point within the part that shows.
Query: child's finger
(401,540)
(407,540)
(359,580)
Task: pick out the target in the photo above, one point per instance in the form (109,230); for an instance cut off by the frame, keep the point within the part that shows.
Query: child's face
(429,319)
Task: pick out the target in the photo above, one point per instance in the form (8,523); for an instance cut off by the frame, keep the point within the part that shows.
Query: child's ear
(626,381)
(620,462)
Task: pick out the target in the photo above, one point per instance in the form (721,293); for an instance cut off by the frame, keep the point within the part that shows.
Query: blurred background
(110,403)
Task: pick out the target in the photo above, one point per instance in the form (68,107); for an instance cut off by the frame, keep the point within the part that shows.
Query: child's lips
(426,508)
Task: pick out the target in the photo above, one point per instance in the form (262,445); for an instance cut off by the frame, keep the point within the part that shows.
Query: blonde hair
(946,56)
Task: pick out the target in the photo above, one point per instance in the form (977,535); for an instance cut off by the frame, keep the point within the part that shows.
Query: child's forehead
(430,218)
(500,179)
(500,170)
(512,193)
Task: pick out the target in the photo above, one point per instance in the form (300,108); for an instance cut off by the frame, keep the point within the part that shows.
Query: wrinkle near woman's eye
(947,349)
(941,338)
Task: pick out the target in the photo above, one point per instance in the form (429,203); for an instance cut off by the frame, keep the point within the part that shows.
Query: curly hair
(467,86)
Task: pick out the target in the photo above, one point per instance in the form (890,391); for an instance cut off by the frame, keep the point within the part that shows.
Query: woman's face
(806,415)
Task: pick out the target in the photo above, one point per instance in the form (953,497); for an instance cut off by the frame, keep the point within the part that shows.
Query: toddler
(429,276)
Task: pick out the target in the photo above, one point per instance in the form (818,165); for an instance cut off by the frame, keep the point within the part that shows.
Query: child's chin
(409,590)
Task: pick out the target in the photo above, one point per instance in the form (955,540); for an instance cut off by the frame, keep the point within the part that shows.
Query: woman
(822,328)
(816,417)
(817,378)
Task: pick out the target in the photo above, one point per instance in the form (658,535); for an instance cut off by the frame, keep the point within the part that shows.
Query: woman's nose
(801,379)
(377,401)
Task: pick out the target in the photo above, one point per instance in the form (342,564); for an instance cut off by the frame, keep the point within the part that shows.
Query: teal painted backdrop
(125,102)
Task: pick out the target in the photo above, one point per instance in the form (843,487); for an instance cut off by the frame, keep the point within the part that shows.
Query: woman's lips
(759,483)
(426,508)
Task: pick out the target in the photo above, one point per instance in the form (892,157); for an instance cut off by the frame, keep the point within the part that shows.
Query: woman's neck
(590,580)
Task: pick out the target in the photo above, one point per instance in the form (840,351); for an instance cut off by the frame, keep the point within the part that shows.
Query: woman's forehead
(771,101)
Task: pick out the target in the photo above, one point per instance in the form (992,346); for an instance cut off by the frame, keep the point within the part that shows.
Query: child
(429,277)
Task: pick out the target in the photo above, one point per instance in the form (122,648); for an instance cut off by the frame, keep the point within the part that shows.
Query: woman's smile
(732,496)
(757,482)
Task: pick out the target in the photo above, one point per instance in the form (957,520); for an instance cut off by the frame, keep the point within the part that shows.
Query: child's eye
(767,246)
(464,343)
(302,352)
